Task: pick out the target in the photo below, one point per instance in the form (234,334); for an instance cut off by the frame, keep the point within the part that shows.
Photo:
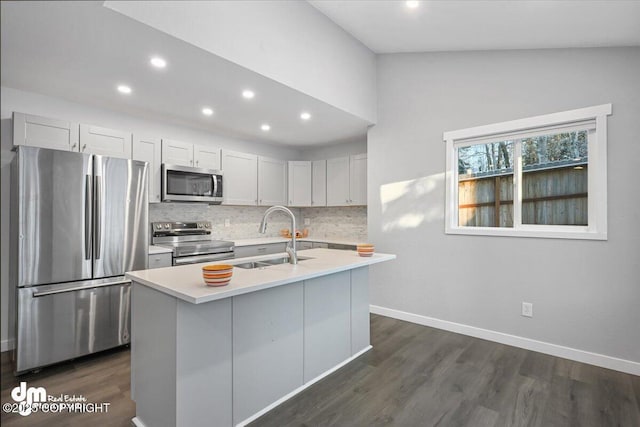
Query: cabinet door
(207,157)
(149,150)
(338,182)
(319,183)
(105,142)
(327,323)
(36,131)
(299,187)
(358,179)
(177,152)
(267,347)
(159,261)
(272,182)
(240,180)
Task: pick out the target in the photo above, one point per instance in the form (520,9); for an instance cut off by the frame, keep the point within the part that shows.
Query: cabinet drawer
(159,260)
(255,250)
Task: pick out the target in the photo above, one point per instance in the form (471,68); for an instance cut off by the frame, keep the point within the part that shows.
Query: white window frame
(592,118)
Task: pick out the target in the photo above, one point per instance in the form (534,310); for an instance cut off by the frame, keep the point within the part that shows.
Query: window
(543,176)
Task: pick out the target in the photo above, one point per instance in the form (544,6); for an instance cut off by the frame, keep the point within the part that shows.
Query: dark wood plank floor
(414,376)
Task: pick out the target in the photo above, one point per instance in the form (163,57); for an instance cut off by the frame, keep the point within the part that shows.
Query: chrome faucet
(291,246)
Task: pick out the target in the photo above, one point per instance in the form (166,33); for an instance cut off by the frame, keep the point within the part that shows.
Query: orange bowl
(217,267)
(365,249)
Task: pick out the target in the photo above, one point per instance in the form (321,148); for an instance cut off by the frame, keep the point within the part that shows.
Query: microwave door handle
(215,185)
(87,217)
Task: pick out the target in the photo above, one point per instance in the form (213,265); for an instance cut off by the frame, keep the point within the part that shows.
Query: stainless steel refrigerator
(79,222)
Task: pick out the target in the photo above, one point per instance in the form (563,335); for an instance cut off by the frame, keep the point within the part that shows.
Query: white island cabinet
(224,356)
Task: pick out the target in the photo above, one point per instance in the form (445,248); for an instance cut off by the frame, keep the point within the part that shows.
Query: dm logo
(27,397)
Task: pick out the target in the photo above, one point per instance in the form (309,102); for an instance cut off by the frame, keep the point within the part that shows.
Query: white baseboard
(609,362)
(301,388)
(6,345)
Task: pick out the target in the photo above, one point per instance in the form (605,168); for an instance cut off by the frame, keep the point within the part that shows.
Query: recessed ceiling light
(207,111)
(265,127)
(248,94)
(158,62)
(412,4)
(305,116)
(124,89)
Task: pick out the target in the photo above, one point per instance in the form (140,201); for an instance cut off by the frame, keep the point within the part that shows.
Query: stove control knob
(167,226)
(199,225)
(158,226)
(207,225)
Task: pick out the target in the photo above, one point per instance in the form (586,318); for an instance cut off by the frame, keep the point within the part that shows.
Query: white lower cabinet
(301,246)
(327,323)
(105,142)
(159,260)
(149,150)
(267,347)
(255,250)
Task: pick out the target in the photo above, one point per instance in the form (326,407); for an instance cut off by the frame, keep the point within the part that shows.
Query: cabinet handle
(73,147)
(190,162)
(197,162)
(84,146)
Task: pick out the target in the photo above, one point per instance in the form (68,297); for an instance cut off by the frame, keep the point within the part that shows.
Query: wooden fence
(555,196)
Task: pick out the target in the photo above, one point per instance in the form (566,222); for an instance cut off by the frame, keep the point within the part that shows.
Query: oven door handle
(202,258)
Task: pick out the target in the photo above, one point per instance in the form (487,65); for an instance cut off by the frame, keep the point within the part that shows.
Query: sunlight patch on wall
(406,204)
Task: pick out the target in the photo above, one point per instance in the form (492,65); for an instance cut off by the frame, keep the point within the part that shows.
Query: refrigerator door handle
(97,225)
(87,217)
(80,288)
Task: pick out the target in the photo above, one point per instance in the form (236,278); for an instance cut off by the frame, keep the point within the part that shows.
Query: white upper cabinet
(272,182)
(105,142)
(148,150)
(36,131)
(177,152)
(358,179)
(187,154)
(319,183)
(240,179)
(347,181)
(299,187)
(338,181)
(206,157)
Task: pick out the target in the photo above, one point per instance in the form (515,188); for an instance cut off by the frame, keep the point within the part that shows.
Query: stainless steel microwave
(188,184)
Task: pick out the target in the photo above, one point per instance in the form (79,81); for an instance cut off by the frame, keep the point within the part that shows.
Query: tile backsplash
(348,222)
(332,222)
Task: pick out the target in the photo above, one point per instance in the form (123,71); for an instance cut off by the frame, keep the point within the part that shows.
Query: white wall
(288,41)
(336,150)
(585,293)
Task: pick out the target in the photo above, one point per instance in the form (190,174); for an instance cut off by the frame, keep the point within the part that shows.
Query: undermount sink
(268,262)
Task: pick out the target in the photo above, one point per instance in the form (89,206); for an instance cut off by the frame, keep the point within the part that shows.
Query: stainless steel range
(191,242)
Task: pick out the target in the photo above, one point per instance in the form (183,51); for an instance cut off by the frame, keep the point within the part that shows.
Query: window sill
(568,232)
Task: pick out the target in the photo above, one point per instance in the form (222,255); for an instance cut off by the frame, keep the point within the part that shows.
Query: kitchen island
(224,356)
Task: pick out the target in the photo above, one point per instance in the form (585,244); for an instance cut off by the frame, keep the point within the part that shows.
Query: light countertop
(185,282)
(268,240)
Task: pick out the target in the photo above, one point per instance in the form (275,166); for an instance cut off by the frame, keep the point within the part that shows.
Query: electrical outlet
(227,222)
(307,221)
(527,309)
